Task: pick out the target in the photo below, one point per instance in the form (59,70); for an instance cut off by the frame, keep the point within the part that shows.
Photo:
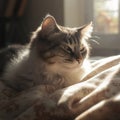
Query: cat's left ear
(48,25)
(86,30)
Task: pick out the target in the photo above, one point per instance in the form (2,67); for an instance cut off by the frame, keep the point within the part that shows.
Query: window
(106,16)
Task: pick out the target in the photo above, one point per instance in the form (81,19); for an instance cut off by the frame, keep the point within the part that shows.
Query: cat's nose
(77,57)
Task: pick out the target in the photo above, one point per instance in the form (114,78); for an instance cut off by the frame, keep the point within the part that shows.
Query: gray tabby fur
(55,56)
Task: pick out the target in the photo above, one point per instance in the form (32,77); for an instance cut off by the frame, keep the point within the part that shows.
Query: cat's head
(55,44)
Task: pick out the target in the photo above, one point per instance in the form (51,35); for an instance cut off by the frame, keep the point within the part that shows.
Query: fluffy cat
(56,55)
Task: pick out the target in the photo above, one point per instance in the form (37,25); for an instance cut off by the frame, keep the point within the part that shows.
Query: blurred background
(18,18)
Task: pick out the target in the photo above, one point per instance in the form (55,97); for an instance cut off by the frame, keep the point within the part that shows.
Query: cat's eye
(82,48)
(67,49)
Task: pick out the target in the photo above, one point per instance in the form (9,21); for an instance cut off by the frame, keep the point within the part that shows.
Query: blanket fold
(96,97)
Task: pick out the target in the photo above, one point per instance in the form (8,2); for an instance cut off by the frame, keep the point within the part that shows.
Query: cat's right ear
(48,25)
(86,30)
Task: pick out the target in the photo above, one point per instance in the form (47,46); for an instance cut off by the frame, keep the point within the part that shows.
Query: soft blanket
(96,97)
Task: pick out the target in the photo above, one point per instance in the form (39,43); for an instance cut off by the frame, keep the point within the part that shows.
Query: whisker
(95,41)
(95,37)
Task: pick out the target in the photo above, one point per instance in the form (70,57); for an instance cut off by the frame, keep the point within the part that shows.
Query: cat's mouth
(71,61)
(73,65)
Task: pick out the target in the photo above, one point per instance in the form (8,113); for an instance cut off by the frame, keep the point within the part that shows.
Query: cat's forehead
(68,30)
(63,34)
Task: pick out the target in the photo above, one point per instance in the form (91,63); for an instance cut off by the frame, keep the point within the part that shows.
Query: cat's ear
(86,31)
(48,25)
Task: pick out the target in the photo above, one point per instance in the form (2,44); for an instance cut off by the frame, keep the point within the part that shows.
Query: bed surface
(96,97)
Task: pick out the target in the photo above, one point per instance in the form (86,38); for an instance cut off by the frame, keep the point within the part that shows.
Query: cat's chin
(73,66)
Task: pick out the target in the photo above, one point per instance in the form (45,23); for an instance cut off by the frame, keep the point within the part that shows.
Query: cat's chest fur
(67,77)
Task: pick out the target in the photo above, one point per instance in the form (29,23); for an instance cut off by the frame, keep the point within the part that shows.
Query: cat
(55,55)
